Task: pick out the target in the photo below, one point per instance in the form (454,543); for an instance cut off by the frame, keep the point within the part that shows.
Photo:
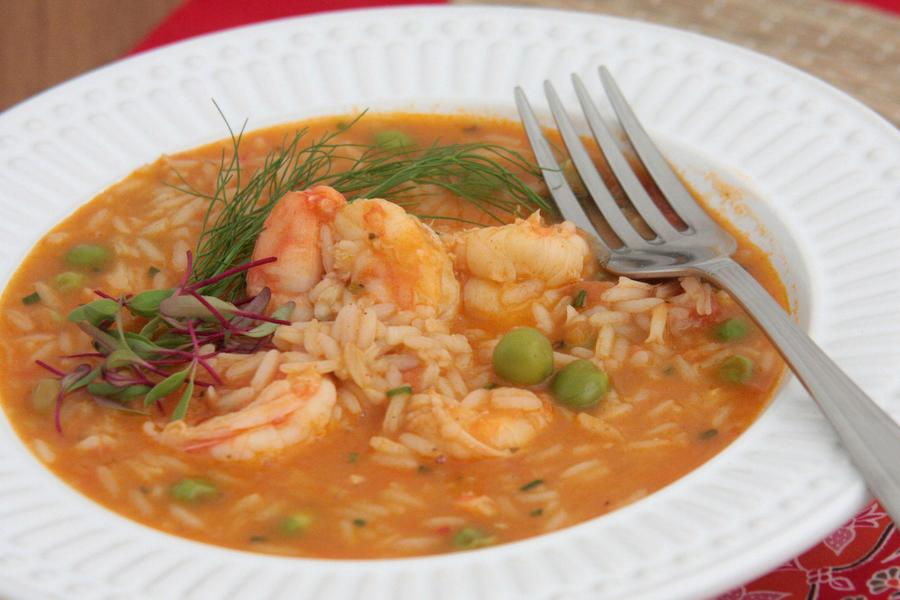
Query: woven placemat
(853,47)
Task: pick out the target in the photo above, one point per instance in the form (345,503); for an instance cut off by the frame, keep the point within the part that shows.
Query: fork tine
(672,188)
(589,174)
(620,167)
(559,188)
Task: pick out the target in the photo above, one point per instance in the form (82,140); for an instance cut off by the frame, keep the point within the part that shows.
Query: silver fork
(703,249)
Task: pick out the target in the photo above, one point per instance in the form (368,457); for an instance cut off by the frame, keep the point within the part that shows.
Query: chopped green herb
(731,330)
(578,302)
(152,271)
(422,469)
(32,298)
(403,389)
(359,522)
(736,369)
(469,538)
(144,489)
(531,485)
(536,512)
(708,434)
(255,539)
(296,523)
(193,490)
(490,386)
(670,370)
(353,457)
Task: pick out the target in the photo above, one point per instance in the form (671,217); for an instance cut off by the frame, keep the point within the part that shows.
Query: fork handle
(869,434)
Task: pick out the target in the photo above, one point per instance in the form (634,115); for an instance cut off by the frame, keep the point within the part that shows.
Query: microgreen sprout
(154,344)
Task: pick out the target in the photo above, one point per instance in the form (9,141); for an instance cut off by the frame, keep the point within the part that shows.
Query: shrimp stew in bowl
(364,337)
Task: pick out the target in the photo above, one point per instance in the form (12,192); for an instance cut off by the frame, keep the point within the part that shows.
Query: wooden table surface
(852,46)
(44,42)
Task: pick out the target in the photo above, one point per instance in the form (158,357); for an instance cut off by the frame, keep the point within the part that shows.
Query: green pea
(87,256)
(44,394)
(736,369)
(68,281)
(393,139)
(193,490)
(296,523)
(469,538)
(524,356)
(580,384)
(731,330)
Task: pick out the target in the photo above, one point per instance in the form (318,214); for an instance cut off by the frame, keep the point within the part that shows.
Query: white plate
(826,171)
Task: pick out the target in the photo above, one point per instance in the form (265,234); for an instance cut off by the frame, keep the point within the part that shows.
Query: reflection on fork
(694,244)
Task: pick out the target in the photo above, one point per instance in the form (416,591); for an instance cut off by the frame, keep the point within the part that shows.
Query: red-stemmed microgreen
(151,345)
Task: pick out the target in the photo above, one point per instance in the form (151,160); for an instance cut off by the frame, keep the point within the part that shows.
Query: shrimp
(506,269)
(295,232)
(369,248)
(485,424)
(394,257)
(287,412)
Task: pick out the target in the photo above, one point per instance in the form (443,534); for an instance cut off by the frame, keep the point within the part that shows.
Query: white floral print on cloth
(859,561)
(885,581)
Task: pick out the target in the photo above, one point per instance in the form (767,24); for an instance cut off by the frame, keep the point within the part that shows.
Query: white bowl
(821,172)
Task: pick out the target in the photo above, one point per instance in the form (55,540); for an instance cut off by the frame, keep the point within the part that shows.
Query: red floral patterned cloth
(860,560)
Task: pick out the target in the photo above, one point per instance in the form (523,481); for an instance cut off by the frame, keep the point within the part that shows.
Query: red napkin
(858,561)
(196,17)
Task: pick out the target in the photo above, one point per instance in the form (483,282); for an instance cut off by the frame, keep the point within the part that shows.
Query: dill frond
(485,175)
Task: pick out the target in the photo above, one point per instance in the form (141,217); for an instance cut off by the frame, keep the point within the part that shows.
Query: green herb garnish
(403,389)
(485,175)
(708,434)
(184,327)
(531,485)
(32,298)
(578,302)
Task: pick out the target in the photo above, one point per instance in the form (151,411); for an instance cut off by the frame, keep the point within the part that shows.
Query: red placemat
(858,561)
